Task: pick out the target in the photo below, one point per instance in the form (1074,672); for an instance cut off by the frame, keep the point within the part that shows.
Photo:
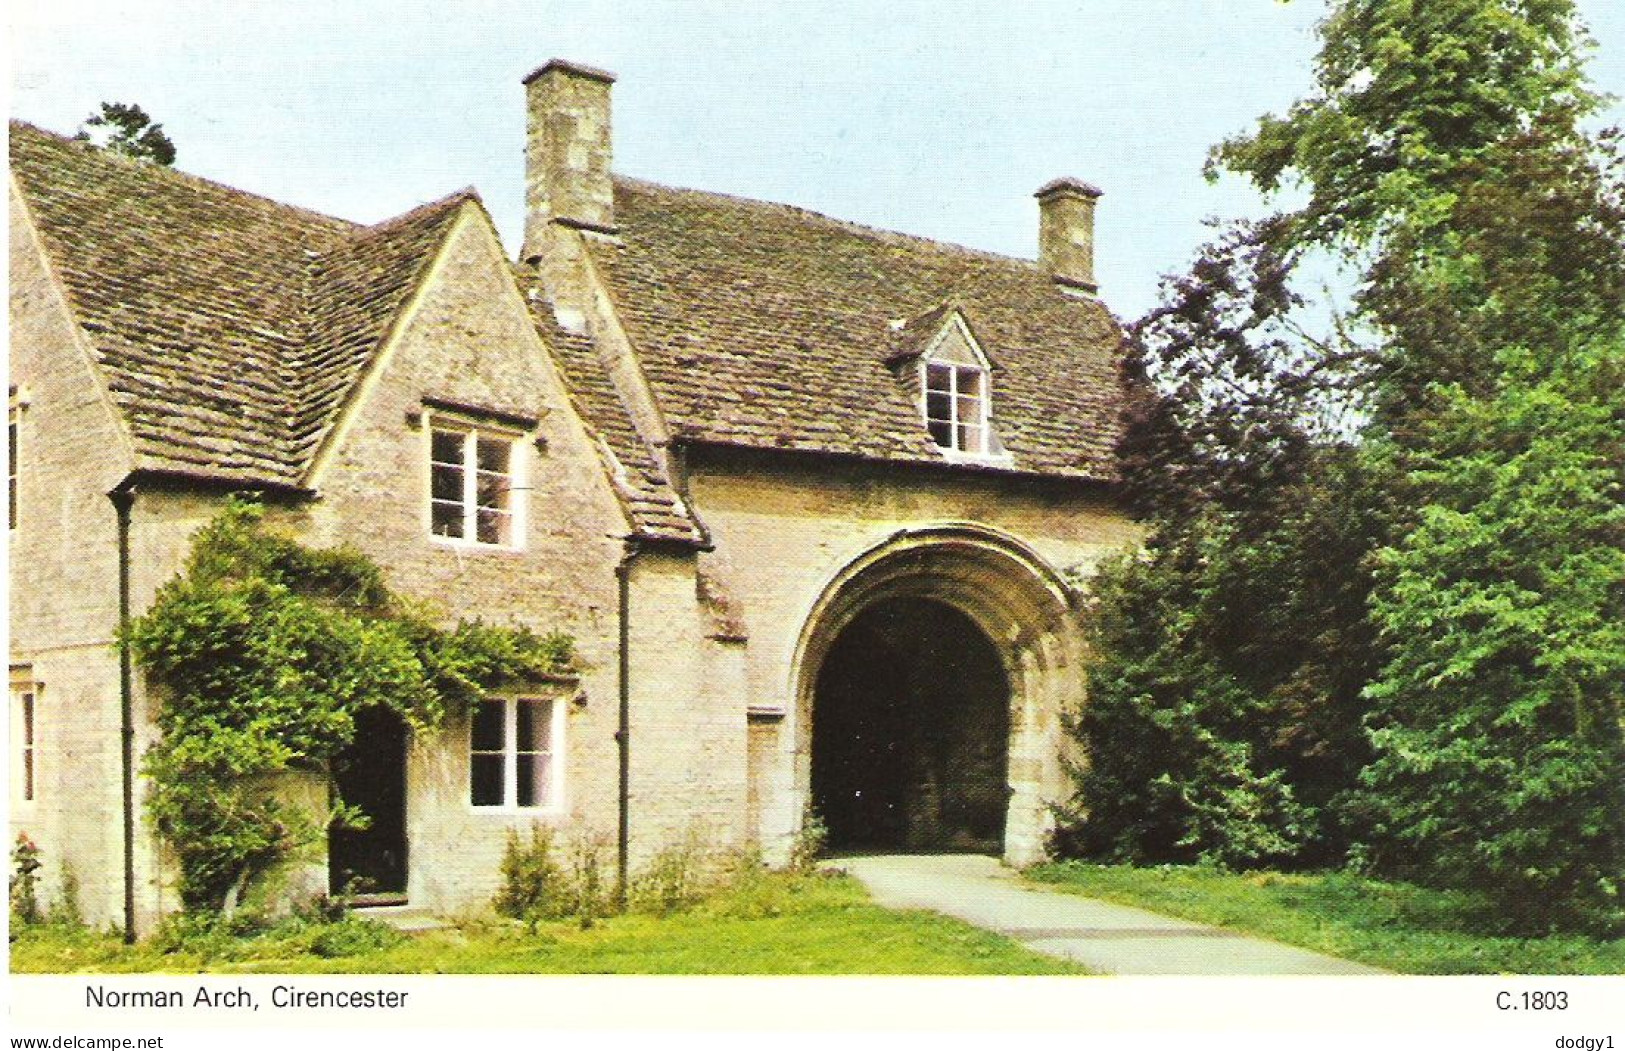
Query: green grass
(1395,926)
(775,924)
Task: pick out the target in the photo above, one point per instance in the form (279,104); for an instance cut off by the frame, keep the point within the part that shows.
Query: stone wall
(63,600)
(785,527)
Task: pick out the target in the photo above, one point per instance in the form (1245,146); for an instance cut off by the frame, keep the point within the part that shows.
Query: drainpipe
(623,731)
(123,497)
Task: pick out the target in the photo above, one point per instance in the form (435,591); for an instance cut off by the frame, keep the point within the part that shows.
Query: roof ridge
(845,224)
(180,175)
(304,399)
(467,194)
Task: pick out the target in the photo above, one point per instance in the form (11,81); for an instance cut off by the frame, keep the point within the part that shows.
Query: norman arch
(1005,598)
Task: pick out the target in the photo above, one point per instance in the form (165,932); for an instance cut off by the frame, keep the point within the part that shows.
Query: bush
(353,936)
(24,886)
(675,878)
(809,841)
(533,884)
(265,651)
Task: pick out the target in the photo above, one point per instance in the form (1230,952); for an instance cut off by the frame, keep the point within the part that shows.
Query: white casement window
(513,753)
(956,407)
(473,485)
(24,739)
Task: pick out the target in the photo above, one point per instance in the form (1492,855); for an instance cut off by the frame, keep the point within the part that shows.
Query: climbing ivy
(265,651)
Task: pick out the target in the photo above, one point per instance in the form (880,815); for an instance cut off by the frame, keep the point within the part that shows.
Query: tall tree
(126,129)
(1441,157)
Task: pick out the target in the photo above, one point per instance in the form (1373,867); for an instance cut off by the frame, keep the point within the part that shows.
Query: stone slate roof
(646,493)
(228,327)
(768,326)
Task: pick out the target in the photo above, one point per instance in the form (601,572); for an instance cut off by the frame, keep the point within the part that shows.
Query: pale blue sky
(934,118)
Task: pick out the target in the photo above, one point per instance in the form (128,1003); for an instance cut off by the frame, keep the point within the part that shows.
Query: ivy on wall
(265,650)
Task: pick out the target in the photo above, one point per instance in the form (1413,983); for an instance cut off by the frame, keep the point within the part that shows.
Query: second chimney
(1066,232)
(567,152)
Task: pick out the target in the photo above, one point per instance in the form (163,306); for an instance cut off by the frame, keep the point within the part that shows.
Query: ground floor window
(513,753)
(23,730)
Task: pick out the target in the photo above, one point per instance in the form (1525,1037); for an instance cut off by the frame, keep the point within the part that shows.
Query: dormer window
(956,409)
(956,382)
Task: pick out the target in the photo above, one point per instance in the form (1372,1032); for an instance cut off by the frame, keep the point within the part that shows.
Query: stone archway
(1007,595)
(911,728)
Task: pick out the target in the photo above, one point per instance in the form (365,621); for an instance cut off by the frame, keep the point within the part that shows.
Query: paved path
(1108,938)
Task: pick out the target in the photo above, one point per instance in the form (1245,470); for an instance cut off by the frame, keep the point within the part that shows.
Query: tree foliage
(1497,719)
(126,129)
(265,651)
(1298,662)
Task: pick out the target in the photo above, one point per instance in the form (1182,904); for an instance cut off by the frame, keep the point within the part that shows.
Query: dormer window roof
(956,383)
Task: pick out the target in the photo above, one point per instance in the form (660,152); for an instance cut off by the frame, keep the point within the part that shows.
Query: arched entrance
(911,726)
(935,674)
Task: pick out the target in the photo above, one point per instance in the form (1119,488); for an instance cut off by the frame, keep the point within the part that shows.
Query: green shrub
(533,884)
(353,936)
(264,652)
(24,885)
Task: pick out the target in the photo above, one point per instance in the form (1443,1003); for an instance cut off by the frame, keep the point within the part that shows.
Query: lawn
(1396,926)
(778,924)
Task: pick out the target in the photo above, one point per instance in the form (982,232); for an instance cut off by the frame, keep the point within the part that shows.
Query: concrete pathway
(1108,938)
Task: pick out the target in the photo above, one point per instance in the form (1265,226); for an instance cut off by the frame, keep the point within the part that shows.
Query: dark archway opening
(910,735)
(370,862)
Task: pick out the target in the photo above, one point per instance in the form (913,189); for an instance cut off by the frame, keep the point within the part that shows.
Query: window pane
(942,432)
(535,725)
(939,378)
(493,455)
(970,438)
(533,779)
(28,746)
(485,780)
(937,406)
(488,730)
(970,382)
(446,518)
(446,483)
(447,447)
(491,490)
(11,468)
(494,526)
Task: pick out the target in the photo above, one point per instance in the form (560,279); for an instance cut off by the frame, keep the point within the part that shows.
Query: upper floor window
(472,485)
(956,407)
(12,420)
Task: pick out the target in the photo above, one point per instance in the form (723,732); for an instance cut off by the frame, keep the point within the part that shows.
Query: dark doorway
(371,774)
(911,728)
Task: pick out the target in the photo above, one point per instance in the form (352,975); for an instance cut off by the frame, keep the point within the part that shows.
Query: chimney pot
(567,151)
(1066,232)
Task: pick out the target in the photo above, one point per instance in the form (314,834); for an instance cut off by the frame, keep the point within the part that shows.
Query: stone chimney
(567,148)
(1066,232)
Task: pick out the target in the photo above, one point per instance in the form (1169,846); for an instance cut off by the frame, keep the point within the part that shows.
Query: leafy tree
(126,129)
(1289,477)
(1497,720)
(265,651)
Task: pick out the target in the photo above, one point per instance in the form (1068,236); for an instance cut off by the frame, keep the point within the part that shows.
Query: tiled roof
(650,501)
(228,327)
(769,326)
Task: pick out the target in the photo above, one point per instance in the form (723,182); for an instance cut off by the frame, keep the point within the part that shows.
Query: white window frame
(472,433)
(985,447)
(510,752)
(25,769)
(957,425)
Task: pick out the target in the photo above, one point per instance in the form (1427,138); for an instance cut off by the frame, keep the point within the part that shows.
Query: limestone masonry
(816,501)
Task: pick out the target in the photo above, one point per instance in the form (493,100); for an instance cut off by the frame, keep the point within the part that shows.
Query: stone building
(815,500)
